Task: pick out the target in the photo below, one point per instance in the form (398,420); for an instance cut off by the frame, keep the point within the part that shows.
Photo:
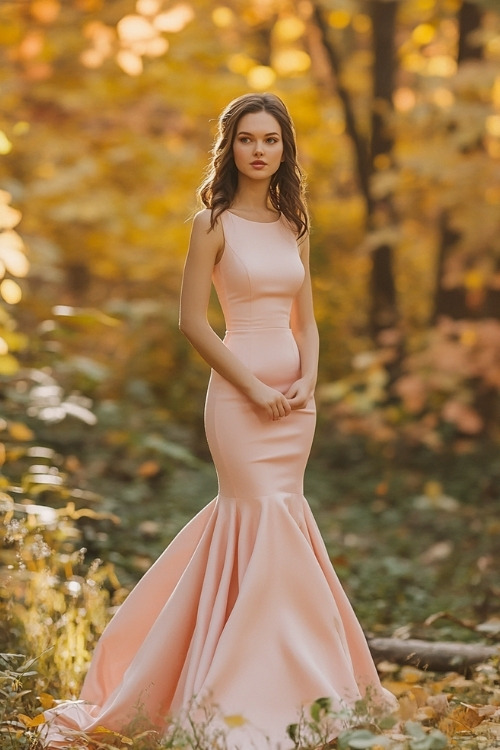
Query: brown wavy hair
(287,188)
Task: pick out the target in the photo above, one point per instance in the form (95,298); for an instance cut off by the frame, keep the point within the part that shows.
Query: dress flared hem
(242,610)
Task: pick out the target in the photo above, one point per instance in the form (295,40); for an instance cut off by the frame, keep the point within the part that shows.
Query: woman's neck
(252,199)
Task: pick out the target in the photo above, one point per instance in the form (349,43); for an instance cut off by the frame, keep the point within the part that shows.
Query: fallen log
(438,656)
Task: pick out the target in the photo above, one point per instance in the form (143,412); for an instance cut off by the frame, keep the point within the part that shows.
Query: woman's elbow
(189,327)
(184,327)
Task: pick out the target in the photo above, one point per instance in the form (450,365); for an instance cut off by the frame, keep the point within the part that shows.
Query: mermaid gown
(243,609)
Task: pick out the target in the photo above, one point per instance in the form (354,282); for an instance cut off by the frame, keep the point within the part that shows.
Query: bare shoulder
(204,239)
(202,226)
(201,220)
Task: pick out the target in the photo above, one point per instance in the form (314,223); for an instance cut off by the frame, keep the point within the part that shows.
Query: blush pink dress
(243,609)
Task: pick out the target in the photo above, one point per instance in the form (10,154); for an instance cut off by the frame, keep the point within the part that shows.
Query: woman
(243,610)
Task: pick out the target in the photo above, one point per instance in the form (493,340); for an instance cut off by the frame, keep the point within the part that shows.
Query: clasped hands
(277,404)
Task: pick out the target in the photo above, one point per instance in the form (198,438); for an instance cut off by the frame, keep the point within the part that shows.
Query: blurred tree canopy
(107,111)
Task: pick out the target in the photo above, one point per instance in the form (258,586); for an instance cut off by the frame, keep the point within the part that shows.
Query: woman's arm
(305,332)
(205,249)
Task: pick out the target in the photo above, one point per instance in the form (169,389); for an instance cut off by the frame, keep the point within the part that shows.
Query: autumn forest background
(107,117)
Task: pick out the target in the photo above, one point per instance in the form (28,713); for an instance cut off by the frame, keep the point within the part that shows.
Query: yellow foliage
(10,291)
(8,364)
(5,143)
(9,217)
(339,19)
(261,77)
(291,62)
(20,431)
(223,17)
(109,136)
(424,33)
(289,29)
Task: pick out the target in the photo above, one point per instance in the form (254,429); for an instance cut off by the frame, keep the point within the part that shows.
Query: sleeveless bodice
(259,273)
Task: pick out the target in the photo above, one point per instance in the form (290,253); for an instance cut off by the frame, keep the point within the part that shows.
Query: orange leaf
(461,719)
(467,716)
(47,701)
(29,722)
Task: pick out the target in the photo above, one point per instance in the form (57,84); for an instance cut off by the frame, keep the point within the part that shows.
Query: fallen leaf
(121,737)
(412,675)
(47,701)
(482,710)
(30,722)
(407,707)
(396,687)
(420,694)
(461,719)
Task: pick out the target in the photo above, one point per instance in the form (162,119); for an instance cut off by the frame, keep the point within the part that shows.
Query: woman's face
(258,145)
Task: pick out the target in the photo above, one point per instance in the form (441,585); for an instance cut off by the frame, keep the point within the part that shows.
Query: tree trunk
(383,17)
(469,20)
(453,302)
(361,150)
(441,656)
(449,302)
(383,307)
(383,302)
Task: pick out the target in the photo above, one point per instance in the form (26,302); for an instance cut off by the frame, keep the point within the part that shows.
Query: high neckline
(251,221)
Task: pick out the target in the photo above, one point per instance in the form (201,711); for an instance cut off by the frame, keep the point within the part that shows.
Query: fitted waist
(270,353)
(258,329)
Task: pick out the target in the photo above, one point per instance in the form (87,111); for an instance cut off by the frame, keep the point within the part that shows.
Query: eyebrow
(245,132)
